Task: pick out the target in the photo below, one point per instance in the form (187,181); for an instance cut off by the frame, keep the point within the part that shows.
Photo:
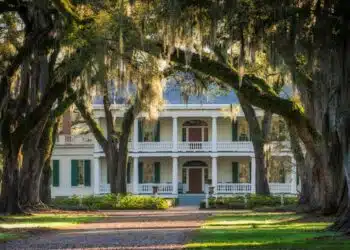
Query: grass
(12,227)
(267,231)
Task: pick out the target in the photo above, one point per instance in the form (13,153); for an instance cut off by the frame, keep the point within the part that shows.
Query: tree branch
(90,121)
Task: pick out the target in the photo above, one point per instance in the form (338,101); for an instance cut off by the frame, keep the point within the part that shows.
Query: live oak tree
(32,81)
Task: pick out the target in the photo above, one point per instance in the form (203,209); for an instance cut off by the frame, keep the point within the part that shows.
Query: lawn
(12,227)
(267,231)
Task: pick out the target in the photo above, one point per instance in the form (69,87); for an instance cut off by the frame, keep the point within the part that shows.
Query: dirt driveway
(122,230)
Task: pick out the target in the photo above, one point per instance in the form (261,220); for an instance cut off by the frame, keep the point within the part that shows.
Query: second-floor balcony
(208,146)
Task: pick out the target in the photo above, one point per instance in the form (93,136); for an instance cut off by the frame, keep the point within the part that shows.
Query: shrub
(112,201)
(250,201)
(67,201)
(142,202)
(255,200)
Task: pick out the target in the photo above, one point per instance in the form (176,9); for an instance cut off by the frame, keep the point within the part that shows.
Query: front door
(195,180)
(195,134)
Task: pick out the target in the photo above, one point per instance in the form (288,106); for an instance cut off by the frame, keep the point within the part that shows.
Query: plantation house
(189,148)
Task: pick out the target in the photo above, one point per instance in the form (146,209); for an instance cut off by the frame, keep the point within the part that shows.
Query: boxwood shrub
(112,201)
(250,201)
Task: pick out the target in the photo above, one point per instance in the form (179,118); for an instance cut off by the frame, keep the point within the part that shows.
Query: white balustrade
(240,146)
(163,188)
(74,139)
(105,188)
(233,188)
(194,146)
(155,146)
(279,188)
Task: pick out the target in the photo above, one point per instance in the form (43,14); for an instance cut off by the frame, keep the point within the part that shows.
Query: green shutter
(235,172)
(87,173)
(128,177)
(140,130)
(297,176)
(157,132)
(55,173)
(283,175)
(234,130)
(108,180)
(250,171)
(74,173)
(157,172)
(183,134)
(140,172)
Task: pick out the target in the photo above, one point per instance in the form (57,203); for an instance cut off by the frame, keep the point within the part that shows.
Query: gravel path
(122,230)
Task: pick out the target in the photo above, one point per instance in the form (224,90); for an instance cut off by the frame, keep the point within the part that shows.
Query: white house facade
(189,148)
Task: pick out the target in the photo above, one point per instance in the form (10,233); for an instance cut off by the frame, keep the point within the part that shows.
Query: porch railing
(233,188)
(278,188)
(194,146)
(163,188)
(105,188)
(235,146)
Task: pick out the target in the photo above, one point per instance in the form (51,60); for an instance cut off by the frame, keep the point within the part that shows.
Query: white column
(136,135)
(175,175)
(174,134)
(253,174)
(135,177)
(214,173)
(96,176)
(294,176)
(214,134)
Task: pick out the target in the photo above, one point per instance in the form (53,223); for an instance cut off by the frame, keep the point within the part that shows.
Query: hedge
(249,202)
(112,201)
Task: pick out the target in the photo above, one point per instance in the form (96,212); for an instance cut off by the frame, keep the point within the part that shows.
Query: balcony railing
(155,146)
(74,139)
(194,146)
(240,146)
(233,188)
(280,188)
(167,146)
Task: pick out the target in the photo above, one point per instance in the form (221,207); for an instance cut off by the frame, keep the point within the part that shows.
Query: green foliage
(142,202)
(112,201)
(250,202)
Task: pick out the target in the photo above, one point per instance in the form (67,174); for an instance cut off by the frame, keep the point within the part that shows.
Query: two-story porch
(193,175)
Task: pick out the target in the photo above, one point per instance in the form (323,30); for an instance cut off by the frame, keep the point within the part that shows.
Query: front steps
(190,199)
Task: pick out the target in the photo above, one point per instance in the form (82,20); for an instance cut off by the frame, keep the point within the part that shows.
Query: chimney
(67,122)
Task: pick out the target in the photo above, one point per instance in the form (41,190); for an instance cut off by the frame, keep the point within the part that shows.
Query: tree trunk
(128,120)
(257,137)
(112,163)
(304,170)
(33,162)
(45,185)
(10,180)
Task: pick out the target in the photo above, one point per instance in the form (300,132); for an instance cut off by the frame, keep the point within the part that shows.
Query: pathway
(122,230)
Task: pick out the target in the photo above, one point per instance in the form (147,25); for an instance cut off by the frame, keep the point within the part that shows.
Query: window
(243,130)
(80,175)
(184,175)
(206,176)
(278,167)
(147,173)
(244,172)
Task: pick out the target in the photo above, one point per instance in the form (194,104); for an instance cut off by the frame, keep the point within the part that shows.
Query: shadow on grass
(267,231)
(48,218)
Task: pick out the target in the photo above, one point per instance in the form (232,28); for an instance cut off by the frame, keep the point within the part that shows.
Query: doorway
(195,180)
